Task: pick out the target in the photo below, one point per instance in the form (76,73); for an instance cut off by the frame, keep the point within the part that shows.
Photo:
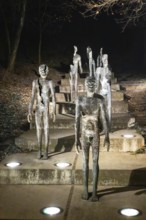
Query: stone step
(65,97)
(116,169)
(69,108)
(63,140)
(81,88)
(119,121)
(140,117)
(81,78)
(62,121)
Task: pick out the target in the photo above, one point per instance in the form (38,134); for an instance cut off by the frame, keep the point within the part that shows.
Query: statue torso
(42,94)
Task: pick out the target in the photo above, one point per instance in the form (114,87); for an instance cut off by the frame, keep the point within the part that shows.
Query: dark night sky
(125,49)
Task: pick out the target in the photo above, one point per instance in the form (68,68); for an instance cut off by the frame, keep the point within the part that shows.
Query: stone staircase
(120,113)
(62,131)
(35,184)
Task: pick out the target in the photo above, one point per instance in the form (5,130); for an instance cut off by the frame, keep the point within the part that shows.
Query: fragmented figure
(74,71)
(99,58)
(42,91)
(73,82)
(77,60)
(90,113)
(91,62)
(103,80)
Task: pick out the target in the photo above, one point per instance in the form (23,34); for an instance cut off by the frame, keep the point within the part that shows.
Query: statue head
(89,52)
(75,50)
(90,84)
(43,71)
(105,60)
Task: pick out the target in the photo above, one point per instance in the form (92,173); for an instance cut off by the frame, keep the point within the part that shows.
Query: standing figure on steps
(103,81)
(42,90)
(90,113)
(74,71)
(99,58)
(91,62)
(77,60)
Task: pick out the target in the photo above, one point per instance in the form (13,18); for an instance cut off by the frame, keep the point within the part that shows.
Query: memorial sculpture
(103,81)
(42,92)
(91,62)
(91,114)
(74,72)
(99,58)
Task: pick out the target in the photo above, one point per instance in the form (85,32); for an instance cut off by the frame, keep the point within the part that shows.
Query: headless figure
(42,90)
(77,66)
(103,81)
(91,62)
(90,112)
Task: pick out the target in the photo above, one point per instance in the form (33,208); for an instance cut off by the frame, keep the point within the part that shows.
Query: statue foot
(85,196)
(39,156)
(45,157)
(94,199)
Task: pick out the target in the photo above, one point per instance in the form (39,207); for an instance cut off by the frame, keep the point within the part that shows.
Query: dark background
(125,48)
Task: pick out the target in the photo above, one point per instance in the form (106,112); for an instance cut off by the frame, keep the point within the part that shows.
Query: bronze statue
(90,113)
(42,90)
(103,81)
(74,71)
(91,62)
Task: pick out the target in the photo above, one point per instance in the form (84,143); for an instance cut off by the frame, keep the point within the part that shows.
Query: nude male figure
(74,71)
(103,80)
(90,112)
(42,91)
(91,62)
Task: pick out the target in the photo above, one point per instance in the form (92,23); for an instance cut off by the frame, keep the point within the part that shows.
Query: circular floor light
(129,212)
(62,165)
(13,164)
(128,135)
(52,210)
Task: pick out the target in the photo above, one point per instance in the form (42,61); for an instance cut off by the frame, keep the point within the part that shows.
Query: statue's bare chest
(42,87)
(90,106)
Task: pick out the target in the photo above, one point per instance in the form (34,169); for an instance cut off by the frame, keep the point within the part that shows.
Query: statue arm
(105,125)
(30,107)
(53,100)
(77,126)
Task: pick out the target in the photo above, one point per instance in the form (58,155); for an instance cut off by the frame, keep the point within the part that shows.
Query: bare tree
(48,16)
(6,28)
(125,11)
(14,50)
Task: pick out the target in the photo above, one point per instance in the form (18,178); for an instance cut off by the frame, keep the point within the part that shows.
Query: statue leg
(46,135)
(85,147)
(109,105)
(38,121)
(76,86)
(95,156)
(71,88)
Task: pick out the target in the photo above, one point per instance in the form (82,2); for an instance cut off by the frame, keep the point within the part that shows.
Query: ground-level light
(13,164)
(129,212)
(52,210)
(128,135)
(62,165)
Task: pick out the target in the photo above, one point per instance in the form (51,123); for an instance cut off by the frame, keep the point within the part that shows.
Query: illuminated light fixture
(13,164)
(128,135)
(129,212)
(62,165)
(52,210)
